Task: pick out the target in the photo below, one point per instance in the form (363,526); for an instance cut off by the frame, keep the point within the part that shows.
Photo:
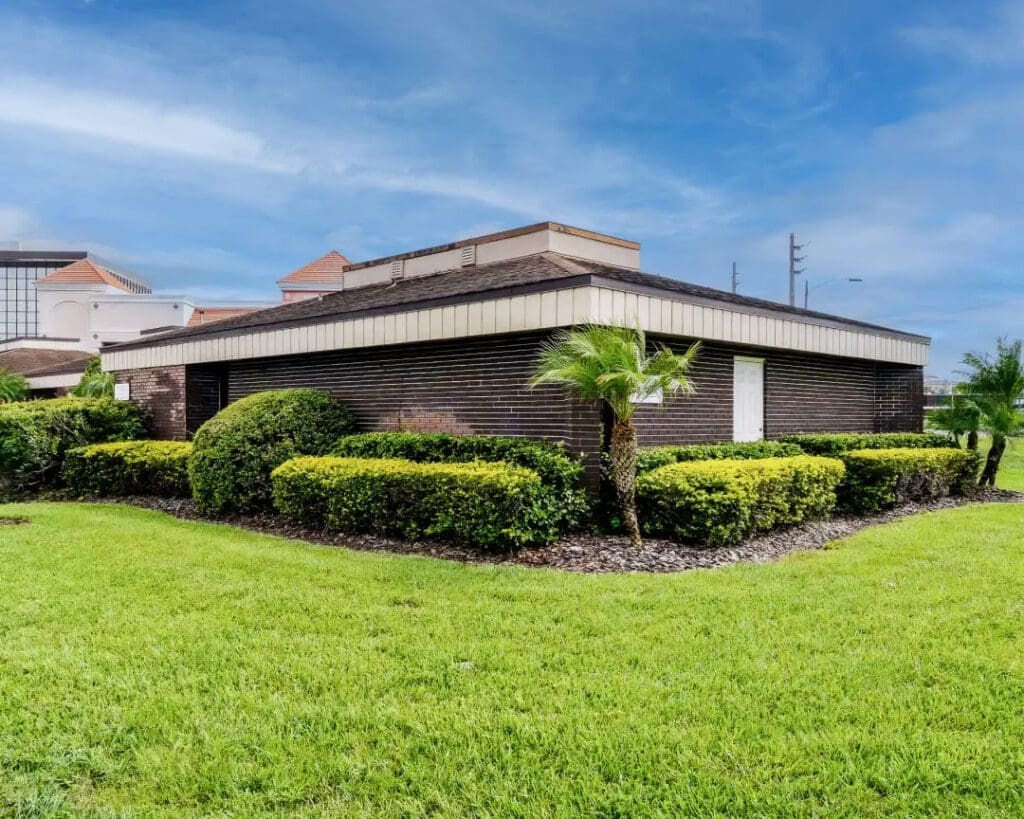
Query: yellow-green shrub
(882,478)
(724,501)
(35,435)
(129,468)
(487,504)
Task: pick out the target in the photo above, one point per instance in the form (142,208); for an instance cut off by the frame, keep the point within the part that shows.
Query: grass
(150,666)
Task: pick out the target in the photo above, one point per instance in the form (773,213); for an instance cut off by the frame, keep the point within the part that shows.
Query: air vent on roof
(467,256)
(397,269)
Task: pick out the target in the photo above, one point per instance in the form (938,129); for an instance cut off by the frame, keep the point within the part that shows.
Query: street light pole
(807,286)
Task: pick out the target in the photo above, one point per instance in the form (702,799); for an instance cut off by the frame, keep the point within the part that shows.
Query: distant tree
(95,383)
(995,384)
(961,417)
(611,364)
(13,387)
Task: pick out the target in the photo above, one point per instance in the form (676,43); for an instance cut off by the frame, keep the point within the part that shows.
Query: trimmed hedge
(718,502)
(493,505)
(129,468)
(883,478)
(236,450)
(559,472)
(838,443)
(656,457)
(35,435)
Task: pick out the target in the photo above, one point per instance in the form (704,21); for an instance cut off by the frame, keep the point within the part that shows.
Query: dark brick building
(445,339)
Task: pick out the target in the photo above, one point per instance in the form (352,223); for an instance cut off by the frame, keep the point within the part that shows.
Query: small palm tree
(13,387)
(996,385)
(961,417)
(611,364)
(95,383)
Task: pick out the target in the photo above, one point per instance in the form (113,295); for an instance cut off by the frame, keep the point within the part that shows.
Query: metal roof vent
(397,269)
(467,256)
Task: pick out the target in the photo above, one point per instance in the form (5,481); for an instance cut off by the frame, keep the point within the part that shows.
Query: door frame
(750,360)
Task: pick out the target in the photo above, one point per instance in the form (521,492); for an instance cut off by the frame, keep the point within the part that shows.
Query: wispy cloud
(995,41)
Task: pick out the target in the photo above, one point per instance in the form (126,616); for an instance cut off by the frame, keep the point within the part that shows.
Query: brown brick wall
(161,392)
(803,393)
(899,398)
(462,387)
(479,386)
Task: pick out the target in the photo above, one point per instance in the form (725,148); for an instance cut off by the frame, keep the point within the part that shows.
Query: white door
(748,399)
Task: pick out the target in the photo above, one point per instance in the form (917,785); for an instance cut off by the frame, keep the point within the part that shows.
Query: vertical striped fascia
(533,311)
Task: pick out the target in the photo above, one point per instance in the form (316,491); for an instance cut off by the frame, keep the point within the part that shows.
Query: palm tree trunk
(995,455)
(972,440)
(624,475)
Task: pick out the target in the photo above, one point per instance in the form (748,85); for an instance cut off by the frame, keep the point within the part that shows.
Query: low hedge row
(656,457)
(882,478)
(832,444)
(35,435)
(559,472)
(493,505)
(129,468)
(719,502)
(236,450)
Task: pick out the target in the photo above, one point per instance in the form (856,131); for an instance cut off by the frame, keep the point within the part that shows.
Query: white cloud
(168,129)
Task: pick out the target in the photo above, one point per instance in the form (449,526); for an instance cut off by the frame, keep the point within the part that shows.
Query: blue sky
(213,147)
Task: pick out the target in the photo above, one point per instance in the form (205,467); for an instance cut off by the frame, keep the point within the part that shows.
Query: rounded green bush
(236,450)
(488,504)
(560,472)
(129,468)
(720,502)
(35,435)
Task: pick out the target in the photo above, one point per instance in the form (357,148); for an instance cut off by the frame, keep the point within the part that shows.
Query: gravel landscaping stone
(591,553)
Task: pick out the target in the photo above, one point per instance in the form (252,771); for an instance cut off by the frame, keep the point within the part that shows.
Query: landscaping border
(596,554)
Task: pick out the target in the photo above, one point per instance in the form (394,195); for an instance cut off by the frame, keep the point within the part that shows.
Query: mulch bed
(590,553)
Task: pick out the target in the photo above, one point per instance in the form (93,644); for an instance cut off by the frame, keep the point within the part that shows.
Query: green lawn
(150,666)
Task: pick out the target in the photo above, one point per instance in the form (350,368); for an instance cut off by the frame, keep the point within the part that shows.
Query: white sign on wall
(122,392)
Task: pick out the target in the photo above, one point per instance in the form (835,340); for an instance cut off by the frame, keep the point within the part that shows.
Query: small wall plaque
(122,392)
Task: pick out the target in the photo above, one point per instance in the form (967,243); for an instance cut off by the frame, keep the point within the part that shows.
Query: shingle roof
(541,271)
(31,361)
(86,271)
(208,315)
(325,270)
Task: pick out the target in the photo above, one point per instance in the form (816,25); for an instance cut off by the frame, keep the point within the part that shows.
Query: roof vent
(467,256)
(397,269)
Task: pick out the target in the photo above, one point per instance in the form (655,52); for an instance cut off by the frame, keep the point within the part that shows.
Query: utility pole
(735,278)
(807,291)
(794,271)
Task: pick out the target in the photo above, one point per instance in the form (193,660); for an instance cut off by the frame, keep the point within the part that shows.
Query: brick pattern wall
(461,387)
(899,398)
(803,393)
(479,386)
(161,392)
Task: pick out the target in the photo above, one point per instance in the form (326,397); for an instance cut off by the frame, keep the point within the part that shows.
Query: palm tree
(961,417)
(95,383)
(996,385)
(611,364)
(13,387)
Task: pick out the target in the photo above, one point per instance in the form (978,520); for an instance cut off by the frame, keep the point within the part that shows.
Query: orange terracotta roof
(207,315)
(86,271)
(325,270)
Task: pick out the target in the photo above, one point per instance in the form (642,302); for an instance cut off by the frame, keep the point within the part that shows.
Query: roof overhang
(547,305)
(56,381)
